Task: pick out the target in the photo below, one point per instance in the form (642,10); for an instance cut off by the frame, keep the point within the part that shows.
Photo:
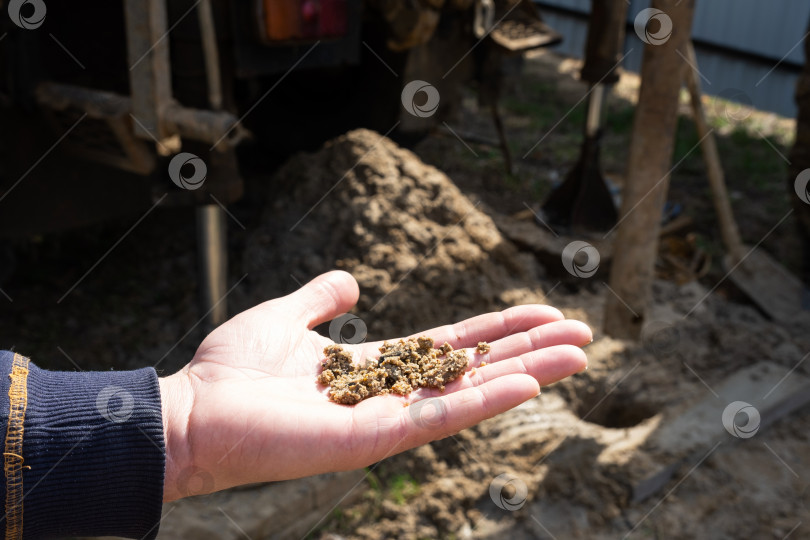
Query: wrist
(177,397)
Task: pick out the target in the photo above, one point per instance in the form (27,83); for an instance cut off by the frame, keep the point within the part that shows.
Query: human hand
(248,408)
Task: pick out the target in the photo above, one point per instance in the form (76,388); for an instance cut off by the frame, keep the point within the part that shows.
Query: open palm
(248,407)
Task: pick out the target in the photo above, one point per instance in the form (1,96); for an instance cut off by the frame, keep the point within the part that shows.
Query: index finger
(488,327)
(493,326)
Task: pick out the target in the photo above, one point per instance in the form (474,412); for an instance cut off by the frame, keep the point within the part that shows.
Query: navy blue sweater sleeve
(84,453)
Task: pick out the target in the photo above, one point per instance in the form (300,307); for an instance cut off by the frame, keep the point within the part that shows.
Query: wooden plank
(768,284)
(774,392)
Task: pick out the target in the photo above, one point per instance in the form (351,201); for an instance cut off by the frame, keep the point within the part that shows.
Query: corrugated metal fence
(759,35)
(767,28)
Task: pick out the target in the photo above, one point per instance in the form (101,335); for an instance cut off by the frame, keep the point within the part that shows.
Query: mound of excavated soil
(422,252)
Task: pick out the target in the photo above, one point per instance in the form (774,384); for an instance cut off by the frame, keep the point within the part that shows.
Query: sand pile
(423,253)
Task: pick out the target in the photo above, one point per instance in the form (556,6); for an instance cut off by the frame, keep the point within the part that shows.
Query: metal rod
(211,218)
(213,260)
(211,54)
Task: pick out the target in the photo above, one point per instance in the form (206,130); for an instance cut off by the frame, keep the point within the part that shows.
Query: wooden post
(648,165)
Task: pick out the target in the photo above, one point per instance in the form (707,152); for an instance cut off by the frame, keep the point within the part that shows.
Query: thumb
(324,298)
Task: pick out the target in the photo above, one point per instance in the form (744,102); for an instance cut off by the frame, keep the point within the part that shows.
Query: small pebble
(483,347)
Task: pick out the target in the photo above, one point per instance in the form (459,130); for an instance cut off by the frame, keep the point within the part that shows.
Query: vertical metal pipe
(211,54)
(211,225)
(213,261)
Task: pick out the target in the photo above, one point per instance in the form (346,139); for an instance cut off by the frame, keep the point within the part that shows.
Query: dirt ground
(431,237)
